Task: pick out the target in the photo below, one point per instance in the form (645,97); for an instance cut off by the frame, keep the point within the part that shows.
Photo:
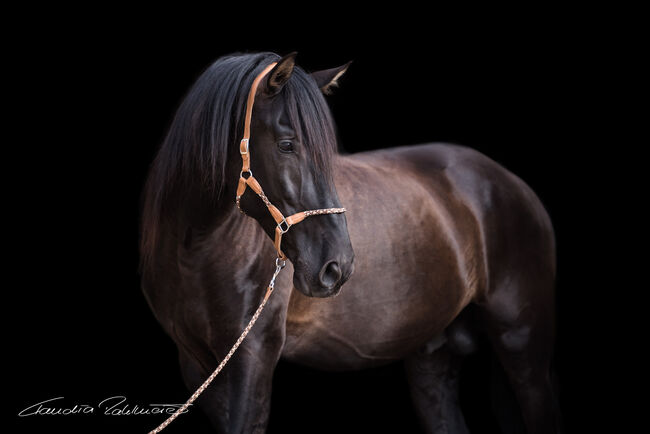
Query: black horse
(430,231)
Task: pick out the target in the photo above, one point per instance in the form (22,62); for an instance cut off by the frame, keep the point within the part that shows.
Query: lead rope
(283,225)
(279,265)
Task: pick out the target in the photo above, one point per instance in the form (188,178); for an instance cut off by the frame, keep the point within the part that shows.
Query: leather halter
(283,223)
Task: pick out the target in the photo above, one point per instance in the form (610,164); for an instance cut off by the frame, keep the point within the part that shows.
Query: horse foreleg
(433,380)
(239,399)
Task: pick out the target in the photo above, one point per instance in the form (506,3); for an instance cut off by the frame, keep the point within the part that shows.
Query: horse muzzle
(328,281)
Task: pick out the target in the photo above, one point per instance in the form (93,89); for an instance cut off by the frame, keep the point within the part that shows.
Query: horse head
(293,147)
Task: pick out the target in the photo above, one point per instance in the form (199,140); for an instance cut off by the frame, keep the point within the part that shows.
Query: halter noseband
(283,223)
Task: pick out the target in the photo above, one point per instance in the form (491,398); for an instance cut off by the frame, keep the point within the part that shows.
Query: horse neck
(217,267)
(233,246)
(236,233)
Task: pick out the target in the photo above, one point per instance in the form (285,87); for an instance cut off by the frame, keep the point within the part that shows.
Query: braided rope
(324,211)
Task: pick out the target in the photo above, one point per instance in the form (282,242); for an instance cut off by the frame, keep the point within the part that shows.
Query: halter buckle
(243,141)
(284,221)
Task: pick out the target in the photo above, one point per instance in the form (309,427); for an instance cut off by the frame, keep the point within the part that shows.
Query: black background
(92,102)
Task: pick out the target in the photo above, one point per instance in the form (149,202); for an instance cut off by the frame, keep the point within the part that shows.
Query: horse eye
(285,146)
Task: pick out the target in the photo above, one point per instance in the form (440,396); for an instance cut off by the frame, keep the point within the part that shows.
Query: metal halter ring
(284,231)
(250,173)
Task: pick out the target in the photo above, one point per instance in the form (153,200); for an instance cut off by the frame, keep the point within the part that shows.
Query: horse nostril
(330,274)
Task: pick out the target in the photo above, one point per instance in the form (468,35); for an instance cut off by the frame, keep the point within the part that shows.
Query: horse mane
(188,175)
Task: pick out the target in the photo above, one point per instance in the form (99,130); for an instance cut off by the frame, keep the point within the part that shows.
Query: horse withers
(430,232)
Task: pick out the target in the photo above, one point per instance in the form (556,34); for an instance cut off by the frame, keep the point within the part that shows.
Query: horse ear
(327,79)
(280,74)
